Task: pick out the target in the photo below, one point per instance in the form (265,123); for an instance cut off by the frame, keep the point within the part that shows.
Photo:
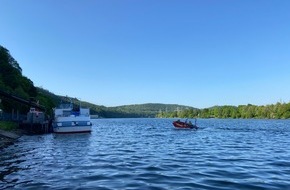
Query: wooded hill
(145,110)
(125,111)
(13,82)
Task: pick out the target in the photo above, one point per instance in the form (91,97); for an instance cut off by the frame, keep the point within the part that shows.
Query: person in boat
(189,123)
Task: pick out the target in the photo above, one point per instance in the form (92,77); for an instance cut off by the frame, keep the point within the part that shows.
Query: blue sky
(199,53)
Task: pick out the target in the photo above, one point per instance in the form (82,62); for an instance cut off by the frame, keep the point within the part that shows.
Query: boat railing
(72,114)
(65,106)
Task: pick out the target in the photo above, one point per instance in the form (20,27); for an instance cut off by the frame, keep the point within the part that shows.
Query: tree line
(273,111)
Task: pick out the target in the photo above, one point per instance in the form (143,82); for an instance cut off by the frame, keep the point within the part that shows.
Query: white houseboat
(70,120)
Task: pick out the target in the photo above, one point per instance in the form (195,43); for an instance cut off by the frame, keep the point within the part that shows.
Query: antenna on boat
(80,102)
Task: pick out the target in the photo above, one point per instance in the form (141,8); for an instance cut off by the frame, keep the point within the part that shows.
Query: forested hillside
(13,82)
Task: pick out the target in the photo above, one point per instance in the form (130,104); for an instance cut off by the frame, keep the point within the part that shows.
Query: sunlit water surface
(151,154)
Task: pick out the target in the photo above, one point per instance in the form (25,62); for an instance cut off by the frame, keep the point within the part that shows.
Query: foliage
(143,110)
(277,111)
(8,126)
(12,81)
(47,99)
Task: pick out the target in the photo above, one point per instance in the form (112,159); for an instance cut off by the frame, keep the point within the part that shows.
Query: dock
(35,122)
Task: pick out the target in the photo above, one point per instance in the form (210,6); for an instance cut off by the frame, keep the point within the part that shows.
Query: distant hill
(145,110)
(124,111)
(55,100)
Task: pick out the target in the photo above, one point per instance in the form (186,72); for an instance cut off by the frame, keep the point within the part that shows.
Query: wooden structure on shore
(35,122)
(21,100)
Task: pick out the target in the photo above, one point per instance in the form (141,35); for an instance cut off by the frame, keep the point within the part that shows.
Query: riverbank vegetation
(8,125)
(273,111)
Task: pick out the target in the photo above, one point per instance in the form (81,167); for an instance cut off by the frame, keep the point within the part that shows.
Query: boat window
(66,113)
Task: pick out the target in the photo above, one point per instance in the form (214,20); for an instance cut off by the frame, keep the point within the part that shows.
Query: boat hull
(69,120)
(72,129)
(183,125)
(72,125)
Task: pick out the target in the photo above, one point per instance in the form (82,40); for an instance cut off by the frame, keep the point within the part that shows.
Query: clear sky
(198,53)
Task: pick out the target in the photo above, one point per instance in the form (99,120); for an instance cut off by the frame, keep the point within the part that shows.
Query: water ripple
(151,154)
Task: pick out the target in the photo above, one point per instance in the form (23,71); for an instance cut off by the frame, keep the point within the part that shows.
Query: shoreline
(7,138)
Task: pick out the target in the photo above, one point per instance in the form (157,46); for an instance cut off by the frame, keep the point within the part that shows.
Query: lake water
(151,154)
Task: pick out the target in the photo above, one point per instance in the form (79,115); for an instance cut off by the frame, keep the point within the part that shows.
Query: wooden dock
(37,128)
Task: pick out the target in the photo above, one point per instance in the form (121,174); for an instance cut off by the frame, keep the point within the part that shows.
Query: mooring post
(31,121)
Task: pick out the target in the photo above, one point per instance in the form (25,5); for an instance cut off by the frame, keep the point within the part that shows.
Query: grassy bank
(8,125)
